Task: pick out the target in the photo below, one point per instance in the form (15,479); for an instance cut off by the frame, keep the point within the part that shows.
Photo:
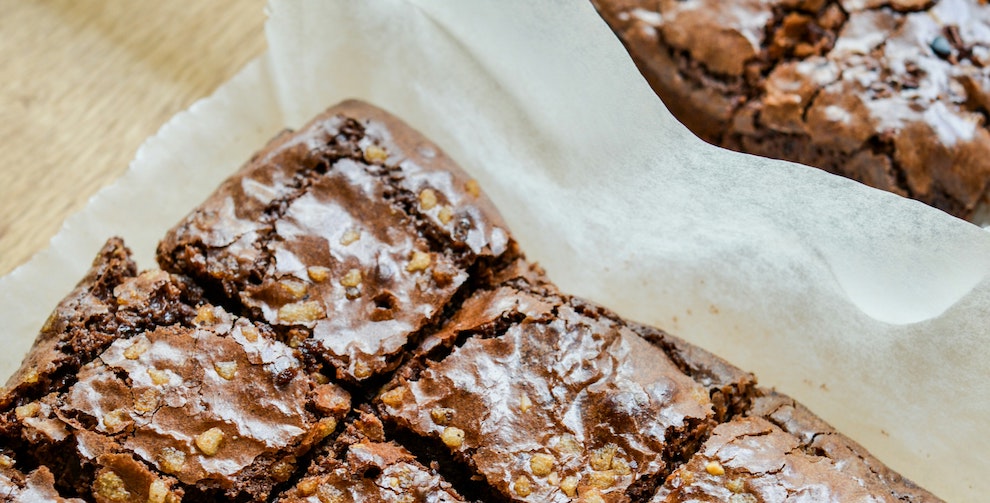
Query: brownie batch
(892,93)
(348,319)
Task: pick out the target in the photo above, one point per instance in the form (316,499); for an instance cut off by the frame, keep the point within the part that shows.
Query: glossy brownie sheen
(781,452)
(178,396)
(352,233)
(730,388)
(566,402)
(111,302)
(890,93)
(222,406)
(365,467)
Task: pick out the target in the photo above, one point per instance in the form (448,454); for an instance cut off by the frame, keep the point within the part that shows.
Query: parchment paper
(871,309)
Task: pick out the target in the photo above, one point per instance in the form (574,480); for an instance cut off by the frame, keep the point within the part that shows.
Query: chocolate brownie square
(350,236)
(566,401)
(170,399)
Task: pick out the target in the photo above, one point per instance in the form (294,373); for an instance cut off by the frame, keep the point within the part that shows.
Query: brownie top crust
(781,452)
(140,390)
(111,301)
(362,466)
(222,405)
(350,235)
(890,93)
(565,402)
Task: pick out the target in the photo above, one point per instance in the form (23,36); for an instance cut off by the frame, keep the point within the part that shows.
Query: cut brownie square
(200,403)
(110,302)
(566,402)
(351,235)
(780,452)
(364,467)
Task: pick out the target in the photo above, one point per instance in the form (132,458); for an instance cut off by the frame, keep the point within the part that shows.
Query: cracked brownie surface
(351,234)
(566,402)
(363,466)
(182,399)
(346,319)
(890,93)
(780,452)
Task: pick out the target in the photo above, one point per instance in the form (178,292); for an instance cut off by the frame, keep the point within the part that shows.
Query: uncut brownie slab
(890,93)
(350,235)
(195,403)
(362,466)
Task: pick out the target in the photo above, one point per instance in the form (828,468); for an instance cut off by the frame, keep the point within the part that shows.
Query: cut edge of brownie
(37,484)
(365,453)
(771,449)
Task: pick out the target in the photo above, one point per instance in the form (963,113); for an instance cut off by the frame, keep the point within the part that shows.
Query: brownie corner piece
(779,449)
(348,236)
(112,301)
(137,387)
(731,389)
(566,402)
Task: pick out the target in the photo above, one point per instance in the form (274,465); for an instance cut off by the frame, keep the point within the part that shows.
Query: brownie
(39,485)
(111,301)
(780,451)
(347,318)
(362,466)
(351,235)
(567,401)
(197,404)
(729,388)
(893,94)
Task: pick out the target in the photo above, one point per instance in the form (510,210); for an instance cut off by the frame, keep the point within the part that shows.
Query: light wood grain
(84,82)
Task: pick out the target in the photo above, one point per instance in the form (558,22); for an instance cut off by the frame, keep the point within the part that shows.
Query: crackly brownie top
(566,402)
(112,301)
(782,452)
(352,233)
(363,466)
(906,79)
(205,405)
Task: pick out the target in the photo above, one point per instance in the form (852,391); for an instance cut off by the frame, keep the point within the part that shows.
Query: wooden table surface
(84,82)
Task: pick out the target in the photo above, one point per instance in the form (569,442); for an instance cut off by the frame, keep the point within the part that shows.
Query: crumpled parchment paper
(872,309)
